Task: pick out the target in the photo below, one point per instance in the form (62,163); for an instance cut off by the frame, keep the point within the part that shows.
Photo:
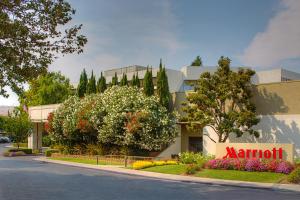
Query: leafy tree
(82,86)
(222,102)
(50,88)
(124,81)
(101,85)
(197,61)
(2,122)
(148,83)
(163,87)
(114,80)
(91,86)
(32,34)
(18,125)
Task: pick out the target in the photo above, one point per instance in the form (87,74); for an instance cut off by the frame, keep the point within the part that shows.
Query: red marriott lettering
(254,153)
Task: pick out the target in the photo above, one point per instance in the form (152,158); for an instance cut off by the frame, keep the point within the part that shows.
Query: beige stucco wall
(288,152)
(277,98)
(40,113)
(174,148)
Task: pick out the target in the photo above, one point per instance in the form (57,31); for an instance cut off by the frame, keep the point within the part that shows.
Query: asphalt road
(24,179)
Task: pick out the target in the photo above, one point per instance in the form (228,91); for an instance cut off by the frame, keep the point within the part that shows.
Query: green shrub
(13,153)
(194,158)
(49,152)
(192,169)
(58,147)
(294,176)
(25,150)
(47,141)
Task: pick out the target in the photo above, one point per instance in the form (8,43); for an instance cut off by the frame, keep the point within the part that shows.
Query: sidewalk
(180,178)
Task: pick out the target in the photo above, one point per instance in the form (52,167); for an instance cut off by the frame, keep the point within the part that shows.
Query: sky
(254,33)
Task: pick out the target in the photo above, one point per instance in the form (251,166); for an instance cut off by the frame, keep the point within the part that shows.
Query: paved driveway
(22,178)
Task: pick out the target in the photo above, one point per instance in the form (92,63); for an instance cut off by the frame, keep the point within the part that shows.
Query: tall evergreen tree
(148,83)
(124,81)
(163,87)
(101,85)
(197,61)
(137,80)
(82,86)
(91,87)
(114,80)
(133,80)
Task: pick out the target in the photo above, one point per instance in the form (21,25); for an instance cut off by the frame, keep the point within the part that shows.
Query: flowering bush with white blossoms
(134,119)
(121,116)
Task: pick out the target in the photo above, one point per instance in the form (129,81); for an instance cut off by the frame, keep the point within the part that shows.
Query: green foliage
(135,80)
(197,62)
(194,158)
(294,176)
(46,141)
(135,120)
(33,33)
(82,86)
(2,122)
(114,80)
(50,88)
(121,116)
(91,86)
(124,81)
(18,125)
(192,169)
(148,83)
(163,87)
(49,152)
(222,101)
(101,85)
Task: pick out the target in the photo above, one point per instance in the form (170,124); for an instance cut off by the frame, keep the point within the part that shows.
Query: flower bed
(145,164)
(251,165)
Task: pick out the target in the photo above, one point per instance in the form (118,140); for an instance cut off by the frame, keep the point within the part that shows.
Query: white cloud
(280,40)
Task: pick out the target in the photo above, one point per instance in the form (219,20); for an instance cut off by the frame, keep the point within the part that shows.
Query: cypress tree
(148,83)
(133,80)
(82,86)
(197,61)
(124,81)
(114,80)
(165,95)
(137,80)
(101,85)
(91,87)
(159,79)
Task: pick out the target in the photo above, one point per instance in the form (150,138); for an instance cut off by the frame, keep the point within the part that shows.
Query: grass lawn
(84,161)
(263,177)
(167,169)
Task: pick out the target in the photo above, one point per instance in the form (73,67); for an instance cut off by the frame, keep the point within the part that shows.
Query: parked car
(4,139)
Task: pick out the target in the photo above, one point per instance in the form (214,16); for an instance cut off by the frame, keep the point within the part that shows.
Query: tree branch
(210,138)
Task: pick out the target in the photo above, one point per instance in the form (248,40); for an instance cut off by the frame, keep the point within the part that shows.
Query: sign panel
(273,151)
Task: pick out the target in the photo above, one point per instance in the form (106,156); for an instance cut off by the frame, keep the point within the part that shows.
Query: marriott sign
(254,153)
(272,151)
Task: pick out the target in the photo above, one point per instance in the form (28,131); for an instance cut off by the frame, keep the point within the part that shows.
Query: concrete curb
(179,178)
